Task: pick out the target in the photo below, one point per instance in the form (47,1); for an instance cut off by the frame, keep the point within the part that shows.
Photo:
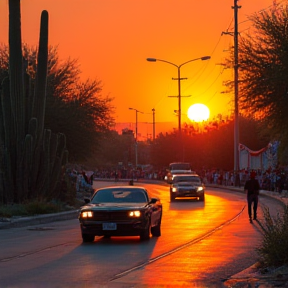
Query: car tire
(156,230)
(88,238)
(145,234)
(202,198)
(172,197)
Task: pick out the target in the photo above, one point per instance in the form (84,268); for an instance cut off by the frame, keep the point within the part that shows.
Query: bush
(13,210)
(274,249)
(32,208)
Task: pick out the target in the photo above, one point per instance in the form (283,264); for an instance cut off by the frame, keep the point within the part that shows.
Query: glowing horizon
(112,39)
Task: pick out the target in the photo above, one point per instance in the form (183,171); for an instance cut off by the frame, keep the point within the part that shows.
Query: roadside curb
(17,222)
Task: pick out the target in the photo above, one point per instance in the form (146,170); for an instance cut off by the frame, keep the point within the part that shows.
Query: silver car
(187,185)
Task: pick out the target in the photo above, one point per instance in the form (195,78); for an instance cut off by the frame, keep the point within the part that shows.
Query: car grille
(186,189)
(107,216)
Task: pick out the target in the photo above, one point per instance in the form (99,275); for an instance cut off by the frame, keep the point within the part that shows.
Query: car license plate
(109,226)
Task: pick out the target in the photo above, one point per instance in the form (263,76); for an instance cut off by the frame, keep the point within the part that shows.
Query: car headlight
(174,189)
(134,213)
(86,214)
(199,189)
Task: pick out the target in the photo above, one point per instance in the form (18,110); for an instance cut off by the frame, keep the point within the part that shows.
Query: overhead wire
(228,32)
(197,76)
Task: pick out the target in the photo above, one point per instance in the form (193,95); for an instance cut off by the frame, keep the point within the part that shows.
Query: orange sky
(112,39)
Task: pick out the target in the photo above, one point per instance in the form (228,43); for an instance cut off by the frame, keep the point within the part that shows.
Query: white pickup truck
(178,168)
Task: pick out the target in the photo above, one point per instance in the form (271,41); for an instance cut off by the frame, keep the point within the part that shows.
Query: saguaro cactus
(31,157)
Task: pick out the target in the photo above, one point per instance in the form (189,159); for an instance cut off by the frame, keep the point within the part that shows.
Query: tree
(74,108)
(213,149)
(263,73)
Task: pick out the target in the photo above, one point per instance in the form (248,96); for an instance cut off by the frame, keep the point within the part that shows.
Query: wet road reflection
(201,245)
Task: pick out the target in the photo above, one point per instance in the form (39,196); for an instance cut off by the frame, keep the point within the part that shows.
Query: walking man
(251,189)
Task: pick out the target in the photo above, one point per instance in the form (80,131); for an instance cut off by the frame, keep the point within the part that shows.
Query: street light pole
(153,110)
(179,81)
(136,135)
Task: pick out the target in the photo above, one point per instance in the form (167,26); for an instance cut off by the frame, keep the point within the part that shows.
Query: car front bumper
(188,193)
(97,228)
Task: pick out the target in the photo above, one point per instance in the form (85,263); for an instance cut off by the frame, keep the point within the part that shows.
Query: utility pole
(153,110)
(236,110)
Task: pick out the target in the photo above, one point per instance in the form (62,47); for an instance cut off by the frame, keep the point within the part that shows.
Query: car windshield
(179,166)
(193,179)
(120,195)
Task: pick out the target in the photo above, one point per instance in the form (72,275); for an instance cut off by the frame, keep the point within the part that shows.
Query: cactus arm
(38,108)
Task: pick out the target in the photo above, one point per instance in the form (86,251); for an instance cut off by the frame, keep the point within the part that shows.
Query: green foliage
(32,208)
(13,210)
(274,248)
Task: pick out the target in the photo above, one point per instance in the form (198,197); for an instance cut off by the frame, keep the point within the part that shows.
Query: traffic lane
(207,263)
(210,261)
(184,220)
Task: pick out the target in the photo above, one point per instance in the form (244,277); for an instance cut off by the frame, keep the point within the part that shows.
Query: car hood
(113,206)
(181,171)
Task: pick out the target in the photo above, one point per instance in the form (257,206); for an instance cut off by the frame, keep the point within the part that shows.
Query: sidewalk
(283,197)
(17,222)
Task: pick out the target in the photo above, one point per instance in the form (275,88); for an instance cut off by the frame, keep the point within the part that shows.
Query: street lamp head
(151,59)
(205,57)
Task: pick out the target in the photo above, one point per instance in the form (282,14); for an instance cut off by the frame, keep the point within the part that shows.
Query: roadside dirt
(254,276)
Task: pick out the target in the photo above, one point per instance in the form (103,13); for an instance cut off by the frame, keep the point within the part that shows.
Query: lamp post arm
(200,58)
(179,81)
(155,59)
(189,62)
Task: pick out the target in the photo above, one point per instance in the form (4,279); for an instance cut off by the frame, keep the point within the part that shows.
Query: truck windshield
(179,166)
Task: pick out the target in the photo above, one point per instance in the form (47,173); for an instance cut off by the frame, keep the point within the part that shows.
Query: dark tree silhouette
(74,108)
(263,74)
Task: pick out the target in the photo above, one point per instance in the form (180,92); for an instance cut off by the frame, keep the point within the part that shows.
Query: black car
(121,211)
(187,185)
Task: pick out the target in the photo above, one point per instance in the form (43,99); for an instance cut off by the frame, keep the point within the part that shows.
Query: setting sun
(198,112)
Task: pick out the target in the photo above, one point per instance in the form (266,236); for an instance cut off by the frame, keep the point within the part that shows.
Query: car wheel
(145,234)
(88,238)
(172,197)
(156,230)
(202,198)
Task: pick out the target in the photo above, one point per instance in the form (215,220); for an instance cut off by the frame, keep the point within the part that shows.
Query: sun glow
(198,112)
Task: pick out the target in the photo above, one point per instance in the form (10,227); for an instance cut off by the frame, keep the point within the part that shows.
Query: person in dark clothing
(251,189)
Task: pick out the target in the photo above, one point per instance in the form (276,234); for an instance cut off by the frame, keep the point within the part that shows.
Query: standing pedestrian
(251,189)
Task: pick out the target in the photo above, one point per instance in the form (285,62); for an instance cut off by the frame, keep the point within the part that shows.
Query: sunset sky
(112,39)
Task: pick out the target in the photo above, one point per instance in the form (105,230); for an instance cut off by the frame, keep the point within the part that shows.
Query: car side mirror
(87,200)
(153,200)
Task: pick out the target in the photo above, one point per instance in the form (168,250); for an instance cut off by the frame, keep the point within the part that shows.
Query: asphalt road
(202,245)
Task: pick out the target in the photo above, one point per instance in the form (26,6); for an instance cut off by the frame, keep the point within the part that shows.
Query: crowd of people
(273,180)
(269,180)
